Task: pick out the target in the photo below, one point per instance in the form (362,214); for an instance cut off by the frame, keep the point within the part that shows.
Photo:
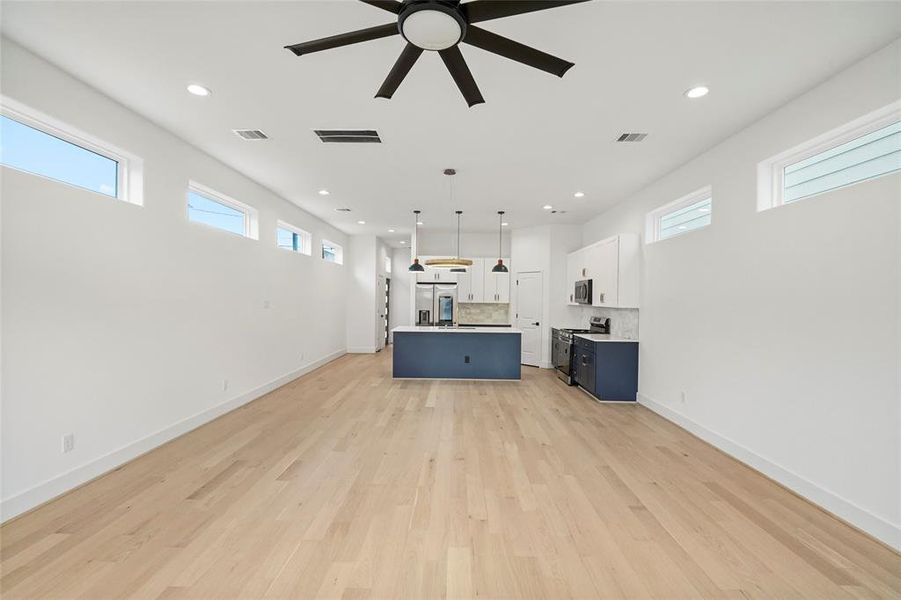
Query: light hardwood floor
(347,484)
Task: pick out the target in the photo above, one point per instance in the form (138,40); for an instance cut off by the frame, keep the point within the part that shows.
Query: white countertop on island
(602,337)
(461,329)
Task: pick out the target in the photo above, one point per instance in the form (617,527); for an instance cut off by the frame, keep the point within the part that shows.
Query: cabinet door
(427,276)
(589,379)
(445,276)
(573,274)
(605,273)
(576,368)
(477,278)
(497,285)
(616,371)
(464,286)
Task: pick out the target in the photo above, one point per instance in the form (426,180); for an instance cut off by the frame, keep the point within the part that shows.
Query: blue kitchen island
(457,353)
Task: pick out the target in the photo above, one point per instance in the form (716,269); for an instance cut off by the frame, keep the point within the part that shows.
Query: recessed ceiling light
(547,207)
(390,231)
(361,222)
(504,224)
(198,90)
(579,194)
(682,227)
(323,192)
(697,92)
(403,242)
(704,210)
(419,222)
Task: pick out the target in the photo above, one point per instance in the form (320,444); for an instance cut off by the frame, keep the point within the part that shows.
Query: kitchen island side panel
(437,355)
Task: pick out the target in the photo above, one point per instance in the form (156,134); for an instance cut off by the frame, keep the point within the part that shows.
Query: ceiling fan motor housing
(432,24)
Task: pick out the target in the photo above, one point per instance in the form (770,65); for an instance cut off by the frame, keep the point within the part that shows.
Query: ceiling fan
(440,25)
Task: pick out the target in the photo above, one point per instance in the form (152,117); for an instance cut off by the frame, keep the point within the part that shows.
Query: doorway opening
(387,310)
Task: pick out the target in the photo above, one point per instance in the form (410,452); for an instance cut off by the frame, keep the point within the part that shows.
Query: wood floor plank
(347,484)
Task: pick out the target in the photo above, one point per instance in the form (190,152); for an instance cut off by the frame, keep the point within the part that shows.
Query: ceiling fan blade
(484,10)
(400,69)
(459,70)
(389,5)
(506,47)
(344,39)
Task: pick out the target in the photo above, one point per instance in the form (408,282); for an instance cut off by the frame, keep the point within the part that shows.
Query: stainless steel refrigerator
(436,304)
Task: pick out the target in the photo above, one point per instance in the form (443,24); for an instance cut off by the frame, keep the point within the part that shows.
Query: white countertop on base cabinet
(463,329)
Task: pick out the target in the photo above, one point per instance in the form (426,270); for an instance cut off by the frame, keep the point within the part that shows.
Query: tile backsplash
(483,314)
(623,321)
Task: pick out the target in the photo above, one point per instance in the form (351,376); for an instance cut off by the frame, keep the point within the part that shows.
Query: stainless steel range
(562,347)
(562,353)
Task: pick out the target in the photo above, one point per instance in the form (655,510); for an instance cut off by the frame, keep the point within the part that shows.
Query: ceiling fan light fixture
(431,26)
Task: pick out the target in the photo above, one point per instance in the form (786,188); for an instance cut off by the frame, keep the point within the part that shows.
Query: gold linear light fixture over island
(454,264)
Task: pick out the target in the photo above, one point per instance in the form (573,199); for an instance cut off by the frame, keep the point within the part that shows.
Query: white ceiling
(537,139)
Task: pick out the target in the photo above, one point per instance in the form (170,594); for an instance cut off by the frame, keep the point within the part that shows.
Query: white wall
(400,288)
(120,323)
(783,326)
(361,296)
(472,245)
(544,249)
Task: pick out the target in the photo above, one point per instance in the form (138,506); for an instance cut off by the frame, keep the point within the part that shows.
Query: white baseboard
(56,486)
(885,531)
(361,350)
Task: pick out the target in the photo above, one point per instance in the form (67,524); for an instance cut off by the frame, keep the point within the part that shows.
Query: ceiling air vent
(250,134)
(348,136)
(631,137)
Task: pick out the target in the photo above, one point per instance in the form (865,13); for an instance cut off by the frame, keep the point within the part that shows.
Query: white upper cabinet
(431,275)
(477,284)
(612,266)
(574,262)
(497,285)
(471,285)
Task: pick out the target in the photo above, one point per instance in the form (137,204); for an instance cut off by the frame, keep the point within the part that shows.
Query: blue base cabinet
(607,370)
(457,355)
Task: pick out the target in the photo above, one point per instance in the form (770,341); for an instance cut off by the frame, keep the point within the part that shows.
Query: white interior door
(528,315)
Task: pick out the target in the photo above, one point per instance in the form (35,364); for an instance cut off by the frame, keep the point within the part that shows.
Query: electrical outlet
(266,304)
(684,397)
(301,357)
(466,359)
(68,443)
(225,385)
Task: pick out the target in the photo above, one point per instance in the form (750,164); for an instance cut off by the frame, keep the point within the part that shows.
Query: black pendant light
(500,267)
(416,266)
(460,269)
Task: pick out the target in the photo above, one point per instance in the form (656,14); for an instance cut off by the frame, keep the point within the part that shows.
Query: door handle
(536,324)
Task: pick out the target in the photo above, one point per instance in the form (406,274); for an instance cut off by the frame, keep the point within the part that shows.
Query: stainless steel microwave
(582,293)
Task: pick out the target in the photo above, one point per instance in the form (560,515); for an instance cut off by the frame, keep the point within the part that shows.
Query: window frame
(339,256)
(771,172)
(129,168)
(306,236)
(653,218)
(251,215)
